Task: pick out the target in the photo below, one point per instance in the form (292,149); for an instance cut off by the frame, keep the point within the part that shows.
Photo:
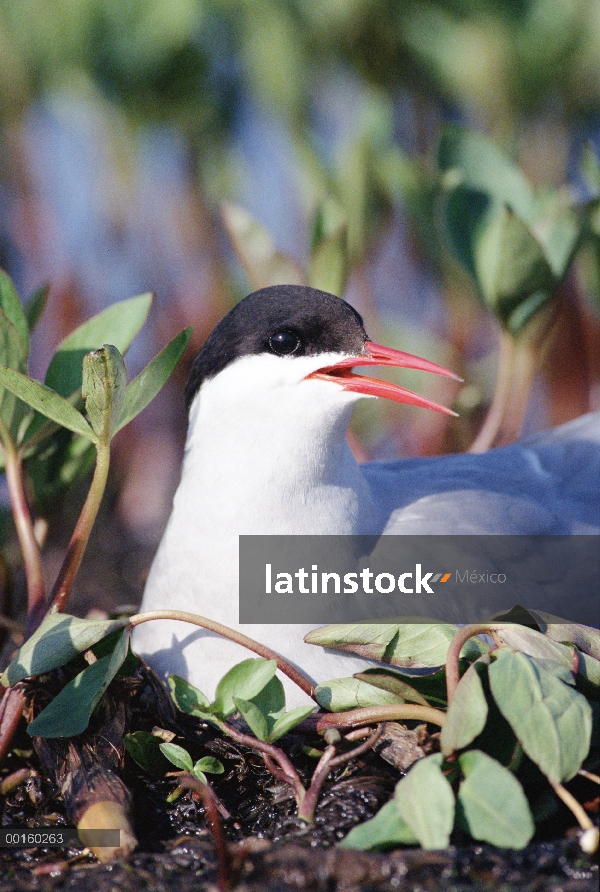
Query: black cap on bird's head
(294,320)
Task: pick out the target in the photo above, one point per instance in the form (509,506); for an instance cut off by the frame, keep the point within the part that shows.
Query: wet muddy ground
(268,848)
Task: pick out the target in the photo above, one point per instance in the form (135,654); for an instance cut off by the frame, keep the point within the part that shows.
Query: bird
(270,396)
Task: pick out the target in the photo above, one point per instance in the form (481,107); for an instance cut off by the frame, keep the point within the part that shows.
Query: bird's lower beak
(375,354)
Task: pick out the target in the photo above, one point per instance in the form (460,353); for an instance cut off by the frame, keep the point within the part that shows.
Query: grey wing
(548,484)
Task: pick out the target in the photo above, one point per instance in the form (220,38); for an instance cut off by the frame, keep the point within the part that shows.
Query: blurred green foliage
(526,73)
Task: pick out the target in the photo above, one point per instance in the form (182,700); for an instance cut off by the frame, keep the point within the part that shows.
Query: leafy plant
(85,393)
(263,708)
(180,758)
(510,708)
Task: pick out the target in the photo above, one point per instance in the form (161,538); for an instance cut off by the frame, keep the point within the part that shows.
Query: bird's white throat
(266,453)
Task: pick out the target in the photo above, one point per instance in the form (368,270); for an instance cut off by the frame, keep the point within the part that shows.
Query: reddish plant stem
(275,770)
(306,808)
(81,533)
(493,420)
(371,715)
(290,775)
(12,702)
(209,800)
(32,559)
(329,760)
(358,750)
(182,616)
(457,644)
(11,710)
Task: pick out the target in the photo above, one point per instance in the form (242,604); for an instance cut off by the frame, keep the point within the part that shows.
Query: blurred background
(323,124)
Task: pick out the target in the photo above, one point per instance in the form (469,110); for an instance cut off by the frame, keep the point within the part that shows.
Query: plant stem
(32,559)
(211,808)
(588,774)
(457,644)
(569,800)
(306,808)
(369,715)
(272,752)
(520,357)
(182,616)
(11,710)
(358,750)
(329,760)
(83,528)
(275,759)
(493,420)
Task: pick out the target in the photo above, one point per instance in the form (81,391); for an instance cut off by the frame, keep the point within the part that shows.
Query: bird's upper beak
(375,354)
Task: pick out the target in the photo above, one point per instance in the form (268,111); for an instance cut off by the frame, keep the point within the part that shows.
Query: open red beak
(375,354)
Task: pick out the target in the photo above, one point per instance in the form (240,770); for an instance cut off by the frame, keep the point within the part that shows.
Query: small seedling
(180,757)
(263,708)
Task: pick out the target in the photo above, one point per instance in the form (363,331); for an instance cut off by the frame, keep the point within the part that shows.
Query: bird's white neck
(271,464)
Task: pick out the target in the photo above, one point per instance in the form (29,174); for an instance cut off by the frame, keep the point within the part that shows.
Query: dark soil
(268,847)
(188,863)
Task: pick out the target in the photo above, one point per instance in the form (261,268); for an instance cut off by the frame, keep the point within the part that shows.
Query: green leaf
(414,645)
(469,158)
(245,680)
(253,717)
(265,713)
(13,356)
(57,465)
(465,216)
(186,697)
(370,640)
(103,389)
(394,684)
(288,721)
(536,644)
(150,381)
(46,401)
(263,264)
(432,686)
(70,711)
(588,671)
(385,830)
(516,247)
(559,229)
(513,275)
(209,764)
(144,749)
(177,756)
(497,738)
(426,802)
(13,309)
(552,721)
(340,694)
(586,638)
(329,265)
(491,804)
(57,640)
(36,306)
(117,325)
(271,700)
(467,713)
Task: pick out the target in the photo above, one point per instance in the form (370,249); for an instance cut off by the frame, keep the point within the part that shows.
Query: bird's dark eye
(284,342)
